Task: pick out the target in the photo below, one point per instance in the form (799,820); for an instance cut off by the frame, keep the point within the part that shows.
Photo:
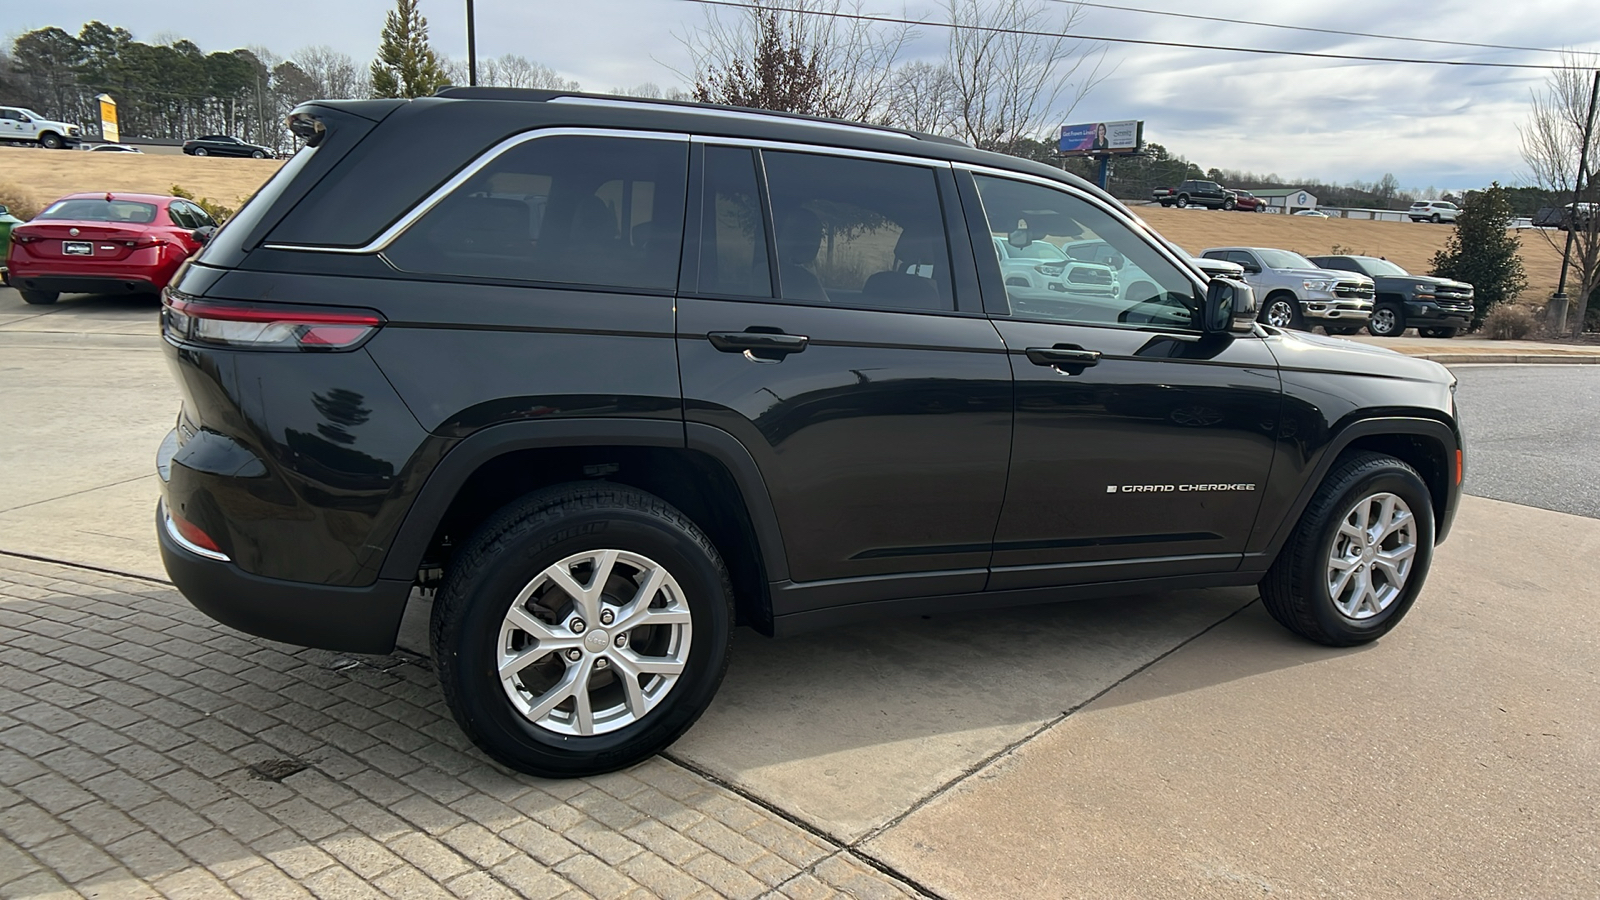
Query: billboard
(1102,137)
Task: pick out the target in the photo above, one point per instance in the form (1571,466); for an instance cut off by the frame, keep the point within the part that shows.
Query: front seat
(799,238)
(900,288)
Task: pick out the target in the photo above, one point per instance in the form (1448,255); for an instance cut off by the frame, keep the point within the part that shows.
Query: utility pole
(472,47)
(1559,300)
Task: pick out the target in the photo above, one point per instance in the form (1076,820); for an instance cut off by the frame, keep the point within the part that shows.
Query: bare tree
(1015,72)
(922,98)
(515,71)
(335,74)
(1551,146)
(797,56)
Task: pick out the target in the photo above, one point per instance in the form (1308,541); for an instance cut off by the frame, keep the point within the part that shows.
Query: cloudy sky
(1445,126)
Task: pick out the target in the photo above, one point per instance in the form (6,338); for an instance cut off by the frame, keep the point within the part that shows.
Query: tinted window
(858,233)
(1111,275)
(1284,259)
(98,210)
(181,217)
(733,234)
(570,210)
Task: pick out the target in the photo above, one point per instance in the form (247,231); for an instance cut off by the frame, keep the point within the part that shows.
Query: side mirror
(203,234)
(1251,268)
(3,210)
(1230,306)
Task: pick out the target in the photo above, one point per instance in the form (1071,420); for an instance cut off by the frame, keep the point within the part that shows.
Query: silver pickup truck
(1294,293)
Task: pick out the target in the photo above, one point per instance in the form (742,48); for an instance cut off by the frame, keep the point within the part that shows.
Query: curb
(1507,358)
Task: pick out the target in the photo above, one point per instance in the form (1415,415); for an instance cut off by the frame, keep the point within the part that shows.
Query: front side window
(1096,270)
(856,232)
(604,211)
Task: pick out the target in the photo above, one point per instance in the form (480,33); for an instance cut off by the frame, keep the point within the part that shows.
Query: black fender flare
(461,461)
(1416,426)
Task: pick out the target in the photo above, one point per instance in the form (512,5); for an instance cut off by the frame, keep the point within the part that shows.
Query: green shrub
(214,209)
(19,202)
(1483,253)
(1508,322)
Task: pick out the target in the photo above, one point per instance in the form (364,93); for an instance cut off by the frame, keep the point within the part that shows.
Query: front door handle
(1069,358)
(758,346)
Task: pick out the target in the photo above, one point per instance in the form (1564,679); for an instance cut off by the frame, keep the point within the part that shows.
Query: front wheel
(1282,311)
(258,155)
(1437,332)
(51,141)
(200,151)
(1435,219)
(40,298)
(582,630)
(1387,321)
(1359,555)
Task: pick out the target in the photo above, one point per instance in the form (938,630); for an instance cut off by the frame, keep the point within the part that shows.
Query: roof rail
(708,109)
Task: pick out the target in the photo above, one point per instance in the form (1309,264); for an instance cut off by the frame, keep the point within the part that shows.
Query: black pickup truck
(1195,192)
(1437,307)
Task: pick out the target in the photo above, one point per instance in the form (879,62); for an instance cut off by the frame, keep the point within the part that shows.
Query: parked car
(1297,294)
(1435,211)
(1563,218)
(115,148)
(747,368)
(223,145)
(1313,213)
(1244,201)
(26,126)
(1436,307)
(1042,265)
(104,243)
(1195,192)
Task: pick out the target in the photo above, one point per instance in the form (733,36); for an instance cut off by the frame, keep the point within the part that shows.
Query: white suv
(18,124)
(1433,211)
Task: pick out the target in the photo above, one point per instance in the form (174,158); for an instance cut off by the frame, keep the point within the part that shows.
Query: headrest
(799,237)
(918,247)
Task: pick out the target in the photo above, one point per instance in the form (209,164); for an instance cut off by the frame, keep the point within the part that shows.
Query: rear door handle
(1064,356)
(760,346)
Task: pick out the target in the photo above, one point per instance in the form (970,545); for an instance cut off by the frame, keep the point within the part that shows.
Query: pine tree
(406,66)
(1483,253)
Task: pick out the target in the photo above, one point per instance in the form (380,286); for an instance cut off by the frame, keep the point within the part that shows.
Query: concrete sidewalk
(1473,349)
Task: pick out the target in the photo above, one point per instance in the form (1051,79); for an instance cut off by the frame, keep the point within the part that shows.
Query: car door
(1141,446)
(846,350)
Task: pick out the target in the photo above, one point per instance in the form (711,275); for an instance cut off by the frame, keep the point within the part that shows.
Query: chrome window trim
(820,150)
(735,115)
(1135,224)
(409,218)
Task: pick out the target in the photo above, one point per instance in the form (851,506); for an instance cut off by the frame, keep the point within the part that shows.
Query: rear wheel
(1282,311)
(1358,556)
(40,298)
(1387,320)
(1437,332)
(582,630)
(1183,200)
(1229,203)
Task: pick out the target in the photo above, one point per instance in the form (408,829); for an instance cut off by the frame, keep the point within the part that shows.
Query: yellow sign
(108,119)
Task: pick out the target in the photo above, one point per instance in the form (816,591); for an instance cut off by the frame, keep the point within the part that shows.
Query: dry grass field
(45,175)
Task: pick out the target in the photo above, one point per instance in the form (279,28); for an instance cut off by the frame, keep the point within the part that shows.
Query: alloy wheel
(1372,555)
(594,642)
(1383,321)
(1280,314)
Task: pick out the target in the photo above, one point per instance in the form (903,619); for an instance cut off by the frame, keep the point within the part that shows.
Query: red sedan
(110,243)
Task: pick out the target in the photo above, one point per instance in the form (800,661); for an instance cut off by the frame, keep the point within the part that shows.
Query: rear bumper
(84,284)
(351,619)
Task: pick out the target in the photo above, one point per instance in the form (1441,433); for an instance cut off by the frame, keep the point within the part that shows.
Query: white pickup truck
(25,125)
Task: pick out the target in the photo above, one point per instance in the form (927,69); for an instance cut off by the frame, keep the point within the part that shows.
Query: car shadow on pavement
(133,306)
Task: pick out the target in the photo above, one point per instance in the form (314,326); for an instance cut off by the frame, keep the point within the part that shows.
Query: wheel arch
(1427,444)
(702,471)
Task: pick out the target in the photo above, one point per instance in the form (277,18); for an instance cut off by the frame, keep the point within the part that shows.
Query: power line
(1177,45)
(1365,34)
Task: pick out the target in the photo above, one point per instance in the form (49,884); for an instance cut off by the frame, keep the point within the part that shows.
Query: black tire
(1295,590)
(1388,320)
(1435,219)
(1437,332)
(40,298)
(506,554)
(1229,203)
(257,154)
(1290,305)
(200,151)
(1183,200)
(1341,330)
(51,141)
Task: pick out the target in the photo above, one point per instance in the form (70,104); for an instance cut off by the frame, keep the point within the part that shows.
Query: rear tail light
(190,537)
(249,326)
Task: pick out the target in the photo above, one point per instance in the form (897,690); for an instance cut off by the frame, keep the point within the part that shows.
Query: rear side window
(567,210)
(854,232)
(733,236)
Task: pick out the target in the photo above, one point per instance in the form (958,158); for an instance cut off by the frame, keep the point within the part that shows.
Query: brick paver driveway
(146,751)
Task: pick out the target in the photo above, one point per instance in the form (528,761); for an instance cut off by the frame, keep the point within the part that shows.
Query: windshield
(97,210)
(1035,250)
(1381,267)
(1283,259)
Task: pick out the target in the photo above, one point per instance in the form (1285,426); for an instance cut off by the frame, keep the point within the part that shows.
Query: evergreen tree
(406,66)
(1483,253)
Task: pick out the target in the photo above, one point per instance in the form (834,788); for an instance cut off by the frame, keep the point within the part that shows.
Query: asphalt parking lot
(1169,745)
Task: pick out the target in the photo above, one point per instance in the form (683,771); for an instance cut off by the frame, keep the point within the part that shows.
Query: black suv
(1436,307)
(611,376)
